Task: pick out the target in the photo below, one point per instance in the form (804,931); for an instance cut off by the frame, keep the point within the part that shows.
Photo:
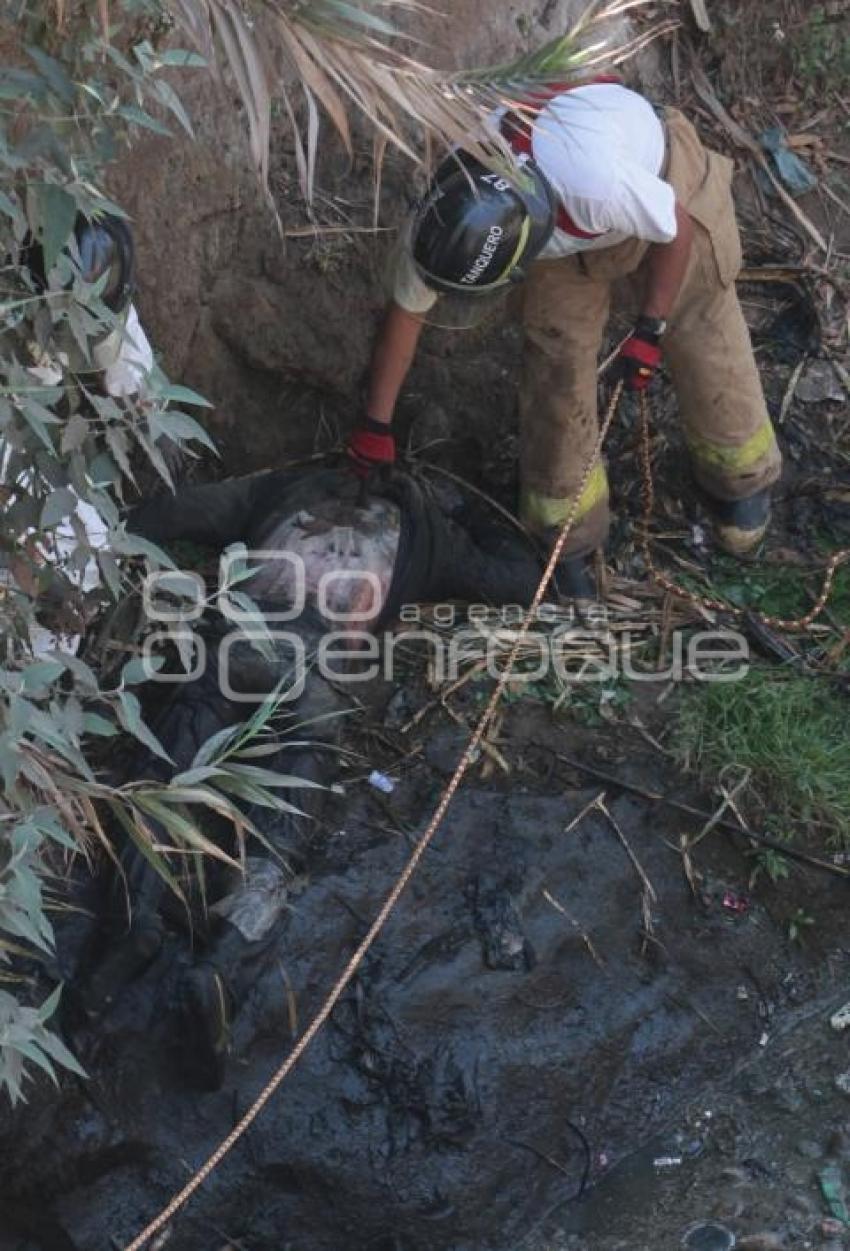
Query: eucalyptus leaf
(55,211)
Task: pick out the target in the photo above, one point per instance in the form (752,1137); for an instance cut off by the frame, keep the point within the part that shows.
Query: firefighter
(603,188)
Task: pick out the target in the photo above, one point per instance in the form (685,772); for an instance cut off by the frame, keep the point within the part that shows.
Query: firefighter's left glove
(639,357)
(371,447)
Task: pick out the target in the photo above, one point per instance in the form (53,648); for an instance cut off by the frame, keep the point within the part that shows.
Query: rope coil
(786,625)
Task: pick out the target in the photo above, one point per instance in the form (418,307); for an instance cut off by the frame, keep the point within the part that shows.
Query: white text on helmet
(487,253)
(496,181)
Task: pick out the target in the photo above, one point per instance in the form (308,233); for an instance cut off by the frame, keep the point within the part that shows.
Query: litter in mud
(840,1020)
(833,1190)
(738,905)
(796,176)
(708,1236)
(381,782)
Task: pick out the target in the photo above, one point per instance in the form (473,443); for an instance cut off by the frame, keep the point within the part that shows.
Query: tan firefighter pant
(707,350)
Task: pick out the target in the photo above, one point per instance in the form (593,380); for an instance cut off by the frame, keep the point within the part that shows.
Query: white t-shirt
(126,359)
(602,149)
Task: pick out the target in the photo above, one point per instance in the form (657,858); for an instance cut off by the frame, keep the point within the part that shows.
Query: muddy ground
(499,1052)
(506,1069)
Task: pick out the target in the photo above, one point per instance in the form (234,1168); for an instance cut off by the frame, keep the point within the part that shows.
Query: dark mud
(486,1067)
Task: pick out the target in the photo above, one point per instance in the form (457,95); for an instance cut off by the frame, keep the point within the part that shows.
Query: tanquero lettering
(482,262)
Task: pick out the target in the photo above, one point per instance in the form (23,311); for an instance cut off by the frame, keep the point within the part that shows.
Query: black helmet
(105,246)
(476,229)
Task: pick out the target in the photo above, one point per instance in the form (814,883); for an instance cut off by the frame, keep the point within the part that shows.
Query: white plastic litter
(840,1020)
(381,782)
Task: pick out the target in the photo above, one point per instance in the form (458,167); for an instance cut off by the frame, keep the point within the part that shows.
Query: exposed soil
(500,1077)
(494,1057)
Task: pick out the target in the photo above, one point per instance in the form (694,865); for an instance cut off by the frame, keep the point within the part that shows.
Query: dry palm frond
(345,54)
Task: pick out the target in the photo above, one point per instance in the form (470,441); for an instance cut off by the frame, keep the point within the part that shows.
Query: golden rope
(792,625)
(392,898)
(802,623)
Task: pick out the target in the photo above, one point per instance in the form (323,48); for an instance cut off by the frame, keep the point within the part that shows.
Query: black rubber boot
(575,580)
(740,525)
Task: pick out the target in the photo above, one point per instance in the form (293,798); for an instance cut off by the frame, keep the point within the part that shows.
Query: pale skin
(395,348)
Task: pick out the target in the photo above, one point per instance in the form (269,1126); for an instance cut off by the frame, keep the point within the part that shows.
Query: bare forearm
(392,358)
(667,264)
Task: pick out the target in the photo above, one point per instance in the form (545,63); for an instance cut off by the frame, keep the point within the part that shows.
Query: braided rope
(787,625)
(198,1178)
(468,757)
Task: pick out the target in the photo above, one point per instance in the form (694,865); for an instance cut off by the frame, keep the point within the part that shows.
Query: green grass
(793,733)
(821,52)
(779,590)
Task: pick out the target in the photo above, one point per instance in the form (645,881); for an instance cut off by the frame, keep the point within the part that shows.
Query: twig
(487,748)
(791,389)
(585,937)
(765,840)
(729,798)
(441,699)
(541,1155)
(739,136)
(430,467)
(304,232)
(594,803)
(842,204)
(648,893)
(588,1158)
(686,844)
(636,724)
(690,1006)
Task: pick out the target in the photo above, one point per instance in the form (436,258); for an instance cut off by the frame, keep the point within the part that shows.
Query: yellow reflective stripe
(740,458)
(503,279)
(544,511)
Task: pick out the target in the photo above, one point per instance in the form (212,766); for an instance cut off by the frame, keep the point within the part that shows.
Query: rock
(842,1082)
(840,1020)
(810,1150)
(818,383)
(762,1242)
(831,1228)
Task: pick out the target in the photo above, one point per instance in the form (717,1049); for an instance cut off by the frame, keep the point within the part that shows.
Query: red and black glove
(640,355)
(371,446)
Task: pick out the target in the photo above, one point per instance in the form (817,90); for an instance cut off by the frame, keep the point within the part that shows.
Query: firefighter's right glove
(371,447)
(639,358)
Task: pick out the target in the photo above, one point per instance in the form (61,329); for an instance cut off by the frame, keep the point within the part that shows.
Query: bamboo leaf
(184,830)
(56,1048)
(130,715)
